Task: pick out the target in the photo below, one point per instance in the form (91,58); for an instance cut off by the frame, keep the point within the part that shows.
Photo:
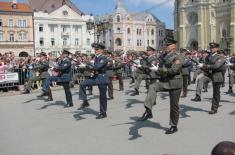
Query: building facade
(199,22)
(16,28)
(131,31)
(58,25)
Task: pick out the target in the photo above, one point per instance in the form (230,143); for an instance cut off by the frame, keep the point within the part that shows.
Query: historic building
(130,31)
(199,22)
(58,25)
(16,28)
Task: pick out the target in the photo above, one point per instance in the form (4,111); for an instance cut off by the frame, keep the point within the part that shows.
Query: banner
(9,78)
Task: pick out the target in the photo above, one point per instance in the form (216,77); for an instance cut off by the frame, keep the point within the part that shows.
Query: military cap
(169,41)
(214,45)
(65,52)
(149,48)
(43,54)
(98,46)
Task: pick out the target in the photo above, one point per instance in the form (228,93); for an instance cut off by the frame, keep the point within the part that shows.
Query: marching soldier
(100,78)
(143,72)
(214,69)
(170,80)
(232,74)
(118,70)
(185,72)
(110,74)
(63,77)
(42,68)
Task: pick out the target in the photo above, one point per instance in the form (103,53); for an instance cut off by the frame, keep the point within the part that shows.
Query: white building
(58,25)
(131,31)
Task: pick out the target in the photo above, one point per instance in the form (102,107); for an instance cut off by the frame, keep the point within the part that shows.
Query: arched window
(118,42)
(118,18)
(128,31)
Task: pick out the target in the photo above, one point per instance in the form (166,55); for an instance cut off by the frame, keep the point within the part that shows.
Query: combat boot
(49,94)
(136,92)
(84,105)
(147,115)
(196,99)
(230,90)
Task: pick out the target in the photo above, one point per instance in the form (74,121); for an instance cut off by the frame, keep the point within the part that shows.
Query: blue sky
(99,7)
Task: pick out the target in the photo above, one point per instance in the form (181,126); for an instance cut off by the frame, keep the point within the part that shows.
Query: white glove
(200,65)
(139,65)
(229,64)
(82,65)
(154,68)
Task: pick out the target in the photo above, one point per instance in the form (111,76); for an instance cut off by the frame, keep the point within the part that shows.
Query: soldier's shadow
(185,108)
(221,101)
(137,125)
(35,99)
(87,111)
(57,103)
(131,102)
(232,113)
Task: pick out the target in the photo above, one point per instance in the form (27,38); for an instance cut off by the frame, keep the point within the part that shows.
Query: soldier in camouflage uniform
(42,68)
(118,70)
(110,73)
(170,79)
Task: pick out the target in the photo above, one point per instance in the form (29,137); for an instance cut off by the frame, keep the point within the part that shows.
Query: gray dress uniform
(171,81)
(42,68)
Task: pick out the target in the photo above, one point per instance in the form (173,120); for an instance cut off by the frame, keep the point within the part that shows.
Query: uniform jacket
(42,68)
(118,66)
(64,67)
(215,68)
(100,67)
(185,66)
(110,71)
(170,71)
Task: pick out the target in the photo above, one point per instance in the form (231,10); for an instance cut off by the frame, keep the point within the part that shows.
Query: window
(52,29)
(52,41)
(129,42)
(118,29)
(65,13)
(152,32)
(65,41)
(148,42)
(88,42)
(128,31)
(76,29)
(118,18)
(22,23)
(41,41)
(147,32)
(1,36)
(140,31)
(11,36)
(76,42)
(152,42)
(1,24)
(64,29)
(11,23)
(22,36)
(118,42)
(138,43)
(40,28)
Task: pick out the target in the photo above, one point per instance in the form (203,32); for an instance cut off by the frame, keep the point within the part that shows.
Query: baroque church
(199,22)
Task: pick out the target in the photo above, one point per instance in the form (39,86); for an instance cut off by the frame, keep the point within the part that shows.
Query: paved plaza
(29,126)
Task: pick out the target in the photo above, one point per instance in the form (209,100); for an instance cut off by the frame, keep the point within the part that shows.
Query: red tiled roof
(20,7)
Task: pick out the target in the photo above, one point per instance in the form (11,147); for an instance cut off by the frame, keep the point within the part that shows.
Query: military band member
(42,68)
(170,80)
(110,73)
(64,77)
(118,70)
(231,64)
(185,72)
(214,69)
(100,78)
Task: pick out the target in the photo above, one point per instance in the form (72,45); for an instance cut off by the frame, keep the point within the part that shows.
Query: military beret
(214,45)
(169,41)
(149,48)
(98,46)
(65,52)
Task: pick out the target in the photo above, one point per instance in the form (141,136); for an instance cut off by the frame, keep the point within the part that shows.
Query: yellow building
(199,22)
(16,28)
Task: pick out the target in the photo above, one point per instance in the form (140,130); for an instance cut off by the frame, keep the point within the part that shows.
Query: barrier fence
(20,76)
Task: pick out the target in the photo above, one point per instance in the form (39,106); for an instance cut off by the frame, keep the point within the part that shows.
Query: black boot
(230,90)
(84,105)
(42,94)
(68,105)
(196,99)
(212,112)
(171,130)
(49,94)
(135,93)
(147,115)
(194,81)
(26,92)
